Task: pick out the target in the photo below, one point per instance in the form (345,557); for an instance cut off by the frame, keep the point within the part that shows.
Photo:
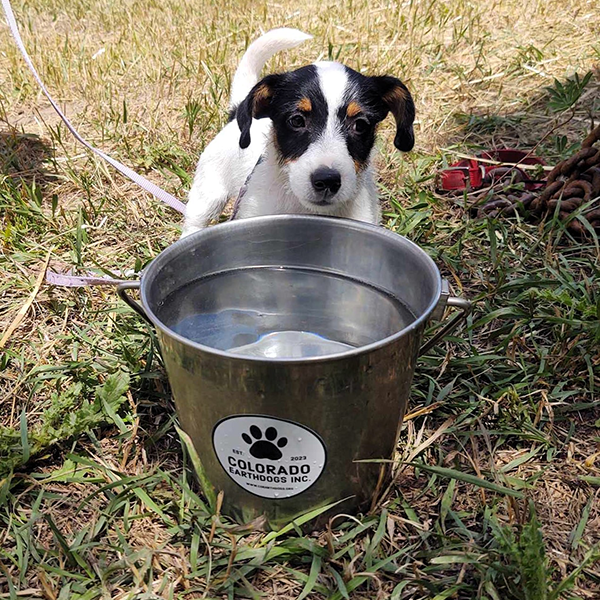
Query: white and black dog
(298,142)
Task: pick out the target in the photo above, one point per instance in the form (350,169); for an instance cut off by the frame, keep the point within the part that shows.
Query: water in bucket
(287,312)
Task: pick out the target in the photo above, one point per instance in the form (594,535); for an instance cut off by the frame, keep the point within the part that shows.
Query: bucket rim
(189,241)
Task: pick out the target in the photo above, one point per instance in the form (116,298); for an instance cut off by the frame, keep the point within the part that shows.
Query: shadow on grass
(556,119)
(22,157)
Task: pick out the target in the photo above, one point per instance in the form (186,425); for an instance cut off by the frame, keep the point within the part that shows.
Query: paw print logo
(260,448)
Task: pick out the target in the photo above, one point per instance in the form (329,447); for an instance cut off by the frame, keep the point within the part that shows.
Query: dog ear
(397,99)
(256,105)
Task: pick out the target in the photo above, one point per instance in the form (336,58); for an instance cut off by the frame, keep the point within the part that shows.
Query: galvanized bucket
(282,436)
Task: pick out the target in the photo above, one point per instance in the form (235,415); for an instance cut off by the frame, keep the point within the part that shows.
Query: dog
(298,142)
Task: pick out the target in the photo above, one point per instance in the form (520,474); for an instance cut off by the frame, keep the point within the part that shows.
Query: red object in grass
(470,173)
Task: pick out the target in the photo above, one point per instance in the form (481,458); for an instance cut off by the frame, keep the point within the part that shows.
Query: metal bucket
(282,436)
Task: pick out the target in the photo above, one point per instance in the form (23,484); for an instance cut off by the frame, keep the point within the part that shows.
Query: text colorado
(270,473)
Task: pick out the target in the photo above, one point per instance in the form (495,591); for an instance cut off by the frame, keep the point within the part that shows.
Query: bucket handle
(463,305)
(122,291)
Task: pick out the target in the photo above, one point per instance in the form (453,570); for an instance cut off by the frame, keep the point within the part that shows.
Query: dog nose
(325,179)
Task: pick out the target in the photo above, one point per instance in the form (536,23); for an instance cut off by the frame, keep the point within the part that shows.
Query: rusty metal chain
(572,183)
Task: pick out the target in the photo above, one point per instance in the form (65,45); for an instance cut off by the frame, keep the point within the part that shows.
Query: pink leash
(69,280)
(66,280)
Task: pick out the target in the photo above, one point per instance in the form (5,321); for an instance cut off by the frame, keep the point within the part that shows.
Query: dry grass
(92,506)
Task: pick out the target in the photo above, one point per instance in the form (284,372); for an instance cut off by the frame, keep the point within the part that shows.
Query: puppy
(298,142)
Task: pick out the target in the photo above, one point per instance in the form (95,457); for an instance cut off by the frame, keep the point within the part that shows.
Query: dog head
(324,122)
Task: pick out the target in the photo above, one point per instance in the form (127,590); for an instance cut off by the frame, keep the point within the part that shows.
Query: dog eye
(297,122)
(360,126)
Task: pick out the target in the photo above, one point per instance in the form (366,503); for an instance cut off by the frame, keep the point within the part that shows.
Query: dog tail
(257,54)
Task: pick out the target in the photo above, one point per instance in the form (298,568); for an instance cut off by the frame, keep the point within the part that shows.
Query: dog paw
(189,229)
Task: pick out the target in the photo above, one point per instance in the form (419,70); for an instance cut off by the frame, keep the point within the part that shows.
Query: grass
(496,477)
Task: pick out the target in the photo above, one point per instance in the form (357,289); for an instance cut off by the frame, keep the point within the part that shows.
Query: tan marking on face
(305,105)
(353,109)
(358,166)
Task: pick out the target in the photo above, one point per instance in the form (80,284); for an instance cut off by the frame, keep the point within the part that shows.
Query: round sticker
(269,457)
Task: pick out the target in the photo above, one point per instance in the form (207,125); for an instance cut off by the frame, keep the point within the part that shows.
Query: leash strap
(66,280)
(244,189)
(141,181)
